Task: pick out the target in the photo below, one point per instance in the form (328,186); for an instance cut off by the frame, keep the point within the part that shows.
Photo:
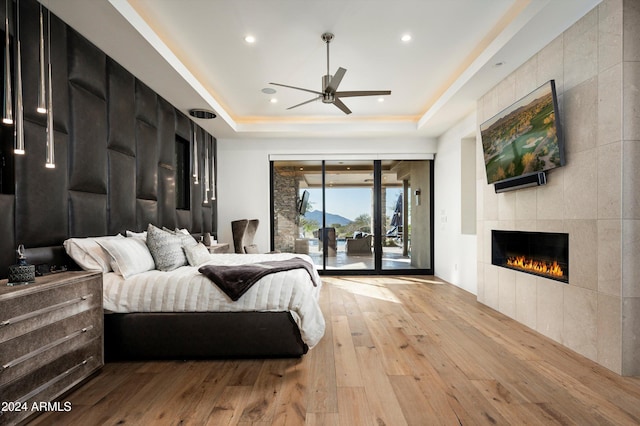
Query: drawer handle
(51,382)
(46,347)
(45,310)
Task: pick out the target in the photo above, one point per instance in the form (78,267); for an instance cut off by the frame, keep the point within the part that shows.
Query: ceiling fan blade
(306,102)
(337,102)
(335,81)
(297,88)
(363,93)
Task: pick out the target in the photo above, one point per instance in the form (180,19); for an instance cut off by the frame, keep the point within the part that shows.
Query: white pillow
(142,235)
(197,254)
(88,254)
(129,256)
(183,231)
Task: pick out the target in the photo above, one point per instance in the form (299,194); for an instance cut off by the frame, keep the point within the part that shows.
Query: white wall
(455,252)
(243,172)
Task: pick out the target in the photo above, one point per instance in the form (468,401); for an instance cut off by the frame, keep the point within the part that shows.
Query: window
(183,181)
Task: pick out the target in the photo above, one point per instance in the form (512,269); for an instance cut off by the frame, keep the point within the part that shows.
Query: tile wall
(595,197)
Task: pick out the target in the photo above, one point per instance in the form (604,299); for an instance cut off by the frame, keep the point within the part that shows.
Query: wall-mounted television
(302,202)
(525,138)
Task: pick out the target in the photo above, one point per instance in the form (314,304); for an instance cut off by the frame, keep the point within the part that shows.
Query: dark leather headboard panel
(183,126)
(41,209)
(114,149)
(146,213)
(167,203)
(87,214)
(146,161)
(122,132)
(88,160)
(206,219)
(87,65)
(7,242)
(47,258)
(166,134)
(122,184)
(146,104)
(183,219)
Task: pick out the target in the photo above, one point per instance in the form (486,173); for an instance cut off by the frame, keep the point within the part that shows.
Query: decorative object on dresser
(22,273)
(51,338)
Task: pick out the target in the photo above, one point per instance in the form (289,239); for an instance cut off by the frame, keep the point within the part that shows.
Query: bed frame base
(201,335)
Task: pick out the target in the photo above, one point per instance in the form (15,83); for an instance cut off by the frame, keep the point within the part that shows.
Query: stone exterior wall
(285,199)
(594,198)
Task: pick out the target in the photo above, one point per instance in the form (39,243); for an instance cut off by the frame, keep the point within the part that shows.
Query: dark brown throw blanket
(237,279)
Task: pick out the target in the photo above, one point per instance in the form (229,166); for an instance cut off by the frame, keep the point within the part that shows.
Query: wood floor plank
(353,407)
(397,350)
(383,402)
(227,408)
(347,371)
(263,401)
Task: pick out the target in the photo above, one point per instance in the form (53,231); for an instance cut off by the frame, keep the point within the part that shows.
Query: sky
(350,202)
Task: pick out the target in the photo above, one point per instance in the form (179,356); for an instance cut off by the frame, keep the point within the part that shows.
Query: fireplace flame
(538,266)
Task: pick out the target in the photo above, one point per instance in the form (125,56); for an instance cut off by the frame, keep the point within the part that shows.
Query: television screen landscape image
(524,138)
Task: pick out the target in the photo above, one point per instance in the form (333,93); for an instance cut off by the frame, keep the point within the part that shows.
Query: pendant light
(213,177)
(206,172)
(195,155)
(18,131)
(42,87)
(7,110)
(50,163)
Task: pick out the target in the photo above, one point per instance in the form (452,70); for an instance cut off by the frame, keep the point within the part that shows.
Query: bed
(181,314)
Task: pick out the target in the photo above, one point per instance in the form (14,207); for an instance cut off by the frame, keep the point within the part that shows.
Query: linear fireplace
(539,253)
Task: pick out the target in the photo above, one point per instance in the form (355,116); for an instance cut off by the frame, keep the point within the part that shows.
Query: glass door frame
(377,225)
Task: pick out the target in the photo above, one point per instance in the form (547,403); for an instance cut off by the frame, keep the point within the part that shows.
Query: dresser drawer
(33,350)
(52,380)
(47,304)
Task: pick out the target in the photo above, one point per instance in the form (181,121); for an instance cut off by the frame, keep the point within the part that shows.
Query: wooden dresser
(51,339)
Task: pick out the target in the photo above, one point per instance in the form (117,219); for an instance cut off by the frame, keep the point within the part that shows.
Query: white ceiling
(193,53)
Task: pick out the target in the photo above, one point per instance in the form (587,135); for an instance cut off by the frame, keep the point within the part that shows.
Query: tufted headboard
(114,148)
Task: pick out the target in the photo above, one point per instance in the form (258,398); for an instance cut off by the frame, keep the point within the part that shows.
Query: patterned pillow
(165,248)
(197,254)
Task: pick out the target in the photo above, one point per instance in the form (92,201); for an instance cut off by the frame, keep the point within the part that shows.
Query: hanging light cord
(18,131)
(50,140)
(7,113)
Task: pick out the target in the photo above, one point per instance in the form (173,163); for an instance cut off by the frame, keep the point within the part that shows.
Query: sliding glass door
(353,216)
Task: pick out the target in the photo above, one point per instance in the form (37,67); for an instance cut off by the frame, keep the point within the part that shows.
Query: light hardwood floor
(397,350)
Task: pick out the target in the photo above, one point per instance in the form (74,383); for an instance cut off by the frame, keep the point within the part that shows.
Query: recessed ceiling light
(202,113)
(268,91)
(273,100)
(406,38)
(380,99)
(250,39)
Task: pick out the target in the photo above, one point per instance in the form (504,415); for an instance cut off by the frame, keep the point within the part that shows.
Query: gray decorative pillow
(165,248)
(184,235)
(197,254)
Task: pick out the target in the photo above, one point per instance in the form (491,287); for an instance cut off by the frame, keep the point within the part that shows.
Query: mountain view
(316,215)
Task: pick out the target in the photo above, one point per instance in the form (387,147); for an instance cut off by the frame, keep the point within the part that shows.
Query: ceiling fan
(330,94)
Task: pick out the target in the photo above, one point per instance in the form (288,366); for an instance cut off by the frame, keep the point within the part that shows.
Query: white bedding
(185,289)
